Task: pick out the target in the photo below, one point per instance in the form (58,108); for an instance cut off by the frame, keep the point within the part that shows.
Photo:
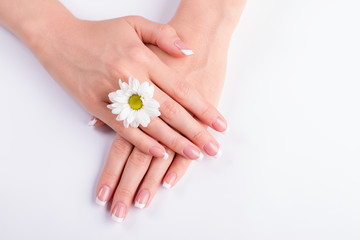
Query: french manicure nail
(211,148)
(142,198)
(219,125)
(219,154)
(183,47)
(157,152)
(166,156)
(227,130)
(92,122)
(192,152)
(119,212)
(103,196)
(169,180)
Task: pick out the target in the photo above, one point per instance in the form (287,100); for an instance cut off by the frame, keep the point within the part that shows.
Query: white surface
(291,162)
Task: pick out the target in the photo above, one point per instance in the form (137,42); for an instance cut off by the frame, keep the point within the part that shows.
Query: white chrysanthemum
(134,103)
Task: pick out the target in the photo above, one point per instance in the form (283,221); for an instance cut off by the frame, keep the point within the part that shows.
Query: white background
(291,162)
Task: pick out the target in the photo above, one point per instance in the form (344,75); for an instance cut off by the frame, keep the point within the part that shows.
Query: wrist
(209,17)
(44,28)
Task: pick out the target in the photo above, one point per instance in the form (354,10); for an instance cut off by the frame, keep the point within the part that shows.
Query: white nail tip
(166,156)
(227,130)
(219,154)
(92,122)
(139,205)
(116,219)
(166,185)
(200,157)
(99,202)
(187,52)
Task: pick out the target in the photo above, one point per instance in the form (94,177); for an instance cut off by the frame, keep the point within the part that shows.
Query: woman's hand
(127,170)
(88,58)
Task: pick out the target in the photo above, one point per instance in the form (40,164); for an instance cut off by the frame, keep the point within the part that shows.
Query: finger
(176,171)
(181,91)
(178,118)
(118,154)
(134,171)
(158,129)
(152,180)
(135,136)
(162,35)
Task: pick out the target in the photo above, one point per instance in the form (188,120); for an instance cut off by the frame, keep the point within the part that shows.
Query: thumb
(162,35)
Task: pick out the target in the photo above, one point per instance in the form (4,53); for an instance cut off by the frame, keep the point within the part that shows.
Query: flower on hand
(134,103)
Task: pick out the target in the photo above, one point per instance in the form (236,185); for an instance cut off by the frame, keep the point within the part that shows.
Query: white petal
(152,112)
(117,110)
(112,96)
(134,124)
(126,123)
(142,118)
(151,91)
(116,98)
(133,84)
(124,86)
(151,103)
(132,115)
(124,113)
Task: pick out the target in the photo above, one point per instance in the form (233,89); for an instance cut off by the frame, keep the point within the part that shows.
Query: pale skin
(87,58)
(142,174)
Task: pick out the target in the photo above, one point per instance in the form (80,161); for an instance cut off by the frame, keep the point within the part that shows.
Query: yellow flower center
(135,102)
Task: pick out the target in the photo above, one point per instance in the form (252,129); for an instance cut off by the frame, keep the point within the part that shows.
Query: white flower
(134,103)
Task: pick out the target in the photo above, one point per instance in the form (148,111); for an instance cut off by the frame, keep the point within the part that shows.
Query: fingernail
(166,156)
(211,148)
(142,198)
(219,154)
(157,152)
(227,130)
(169,180)
(92,121)
(192,152)
(183,47)
(219,125)
(119,212)
(103,196)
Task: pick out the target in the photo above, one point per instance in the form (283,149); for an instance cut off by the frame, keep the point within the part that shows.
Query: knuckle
(138,55)
(199,135)
(108,174)
(124,193)
(175,142)
(182,90)
(169,110)
(119,145)
(151,127)
(152,182)
(207,111)
(166,28)
(115,69)
(140,159)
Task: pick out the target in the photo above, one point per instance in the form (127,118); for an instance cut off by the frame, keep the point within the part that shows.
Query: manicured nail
(169,180)
(119,212)
(142,198)
(219,154)
(92,121)
(183,48)
(227,130)
(211,148)
(166,156)
(157,152)
(219,125)
(103,196)
(192,152)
